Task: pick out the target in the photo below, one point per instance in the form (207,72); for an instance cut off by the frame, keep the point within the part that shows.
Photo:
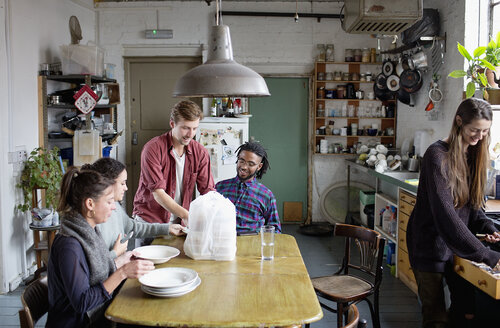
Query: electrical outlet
(18,156)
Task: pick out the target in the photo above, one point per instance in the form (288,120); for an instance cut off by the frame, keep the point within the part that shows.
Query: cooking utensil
(381,81)
(388,67)
(382,94)
(435,95)
(420,59)
(411,80)
(430,106)
(393,83)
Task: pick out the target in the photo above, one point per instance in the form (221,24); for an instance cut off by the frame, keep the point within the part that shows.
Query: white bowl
(167,279)
(156,253)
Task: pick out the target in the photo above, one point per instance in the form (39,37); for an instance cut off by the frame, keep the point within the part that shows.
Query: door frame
(310,126)
(128,61)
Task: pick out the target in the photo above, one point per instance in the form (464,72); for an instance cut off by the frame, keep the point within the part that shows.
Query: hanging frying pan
(381,81)
(388,68)
(393,83)
(405,97)
(411,80)
(380,94)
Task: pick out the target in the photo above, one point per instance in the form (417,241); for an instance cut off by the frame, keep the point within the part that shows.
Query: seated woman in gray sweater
(120,224)
(448,213)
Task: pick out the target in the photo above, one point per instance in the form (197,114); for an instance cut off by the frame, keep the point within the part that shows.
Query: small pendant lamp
(220,75)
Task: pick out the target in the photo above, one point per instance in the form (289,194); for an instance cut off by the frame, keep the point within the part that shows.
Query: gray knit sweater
(120,222)
(436,229)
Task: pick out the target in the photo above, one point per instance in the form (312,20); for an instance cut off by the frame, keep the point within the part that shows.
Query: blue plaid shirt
(255,204)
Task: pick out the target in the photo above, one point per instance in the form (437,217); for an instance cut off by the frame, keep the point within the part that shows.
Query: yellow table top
(246,292)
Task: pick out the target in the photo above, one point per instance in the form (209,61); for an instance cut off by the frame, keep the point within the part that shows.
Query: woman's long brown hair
(467,170)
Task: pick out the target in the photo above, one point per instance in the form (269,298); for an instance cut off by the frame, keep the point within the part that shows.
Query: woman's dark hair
(258,150)
(78,185)
(108,167)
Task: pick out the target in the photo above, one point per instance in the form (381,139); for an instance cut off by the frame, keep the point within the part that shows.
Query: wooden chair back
(35,299)
(371,251)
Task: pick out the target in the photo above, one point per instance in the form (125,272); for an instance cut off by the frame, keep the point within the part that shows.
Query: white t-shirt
(179,175)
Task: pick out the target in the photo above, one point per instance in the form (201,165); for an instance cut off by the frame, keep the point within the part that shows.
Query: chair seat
(342,288)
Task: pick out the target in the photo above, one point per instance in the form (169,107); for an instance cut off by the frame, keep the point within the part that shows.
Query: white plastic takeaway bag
(212,228)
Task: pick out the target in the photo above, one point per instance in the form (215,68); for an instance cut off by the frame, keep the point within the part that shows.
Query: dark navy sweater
(70,295)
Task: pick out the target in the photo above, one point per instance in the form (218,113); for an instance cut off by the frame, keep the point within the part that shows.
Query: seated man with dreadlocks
(255,203)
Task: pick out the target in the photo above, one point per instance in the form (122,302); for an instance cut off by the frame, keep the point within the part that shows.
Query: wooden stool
(42,245)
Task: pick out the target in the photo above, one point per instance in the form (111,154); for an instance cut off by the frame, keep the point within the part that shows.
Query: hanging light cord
(296,17)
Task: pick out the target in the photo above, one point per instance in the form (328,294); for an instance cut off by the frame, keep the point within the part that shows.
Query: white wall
(33,32)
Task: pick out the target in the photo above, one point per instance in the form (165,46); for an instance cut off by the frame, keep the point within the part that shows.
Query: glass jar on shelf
(365,55)
(362,77)
(330,54)
(337,76)
(373,55)
(358,55)
(321,76)
(320,111)
(321,56)
(346,76)
(329,76)
(321,93)
(349,55)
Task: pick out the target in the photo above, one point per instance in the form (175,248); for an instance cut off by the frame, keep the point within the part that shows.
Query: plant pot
(494,96)
(491,77)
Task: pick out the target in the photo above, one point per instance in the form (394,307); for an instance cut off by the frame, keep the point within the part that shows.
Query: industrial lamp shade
(220,75)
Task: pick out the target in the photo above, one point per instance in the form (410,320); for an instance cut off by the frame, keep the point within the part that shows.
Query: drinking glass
(267,242)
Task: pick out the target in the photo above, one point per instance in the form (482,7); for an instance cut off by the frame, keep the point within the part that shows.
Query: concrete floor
(322,255)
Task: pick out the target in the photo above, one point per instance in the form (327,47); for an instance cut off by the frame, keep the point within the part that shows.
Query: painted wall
(30,34)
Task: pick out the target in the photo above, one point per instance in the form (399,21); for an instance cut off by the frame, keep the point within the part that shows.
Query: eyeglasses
(241,161)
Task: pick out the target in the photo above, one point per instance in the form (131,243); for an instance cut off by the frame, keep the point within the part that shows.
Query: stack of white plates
(170,282)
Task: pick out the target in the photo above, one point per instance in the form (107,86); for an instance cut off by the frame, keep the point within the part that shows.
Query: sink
(402,175)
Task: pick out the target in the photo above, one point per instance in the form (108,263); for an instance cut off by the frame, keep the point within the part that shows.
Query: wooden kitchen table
(245,292)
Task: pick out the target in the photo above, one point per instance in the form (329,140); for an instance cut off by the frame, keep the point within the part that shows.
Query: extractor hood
(380,16)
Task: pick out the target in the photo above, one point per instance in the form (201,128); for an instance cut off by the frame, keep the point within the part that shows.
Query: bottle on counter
(230,108)
(213,108)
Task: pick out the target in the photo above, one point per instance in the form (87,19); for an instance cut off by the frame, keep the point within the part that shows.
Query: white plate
(157,253)
(168,277)
(177,294)
(173,290)
(243,115)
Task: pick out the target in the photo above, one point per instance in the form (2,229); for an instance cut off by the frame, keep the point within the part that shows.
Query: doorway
(151,82)
(280,123)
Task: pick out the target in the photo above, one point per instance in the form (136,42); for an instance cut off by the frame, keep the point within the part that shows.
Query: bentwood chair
(35,299)
(357,279)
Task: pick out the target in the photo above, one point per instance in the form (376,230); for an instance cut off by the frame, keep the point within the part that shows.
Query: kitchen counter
(396,177)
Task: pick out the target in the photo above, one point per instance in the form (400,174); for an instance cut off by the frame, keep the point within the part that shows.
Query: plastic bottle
(386,219)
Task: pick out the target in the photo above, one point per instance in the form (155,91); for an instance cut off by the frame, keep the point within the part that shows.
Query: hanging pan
(411,80)
(393,83)
(381,81)
(388,67)
(405,97)
(380,94)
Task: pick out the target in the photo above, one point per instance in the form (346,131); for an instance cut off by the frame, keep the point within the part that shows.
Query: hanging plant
(42,170)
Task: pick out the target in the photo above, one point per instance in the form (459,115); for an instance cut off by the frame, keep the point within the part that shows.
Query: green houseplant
(476,66)
(42,170)
(492,55)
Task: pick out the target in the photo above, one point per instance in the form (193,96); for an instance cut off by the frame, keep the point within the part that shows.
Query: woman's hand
(123,259)
(176,230)
(493,238)
(119,247)
(137,268)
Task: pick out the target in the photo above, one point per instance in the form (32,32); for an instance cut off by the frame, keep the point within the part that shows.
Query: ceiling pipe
(280,14)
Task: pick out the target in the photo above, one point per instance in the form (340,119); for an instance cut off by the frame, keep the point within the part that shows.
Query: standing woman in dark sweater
(81,274)
(448,213)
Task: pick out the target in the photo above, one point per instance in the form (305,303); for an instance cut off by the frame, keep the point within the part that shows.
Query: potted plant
(492,55)
(42,170)
(475,70)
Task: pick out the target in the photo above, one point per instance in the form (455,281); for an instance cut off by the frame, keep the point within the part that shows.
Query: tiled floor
(322,255)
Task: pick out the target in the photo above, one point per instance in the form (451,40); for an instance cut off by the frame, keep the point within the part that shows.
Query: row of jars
(344,76)
(325,53)
(368,110)
(365,55)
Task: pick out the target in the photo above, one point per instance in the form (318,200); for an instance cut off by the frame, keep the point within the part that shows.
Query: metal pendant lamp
(220,75)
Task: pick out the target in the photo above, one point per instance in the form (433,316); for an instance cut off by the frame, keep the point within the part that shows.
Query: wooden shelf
(354,117)
(347,63)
